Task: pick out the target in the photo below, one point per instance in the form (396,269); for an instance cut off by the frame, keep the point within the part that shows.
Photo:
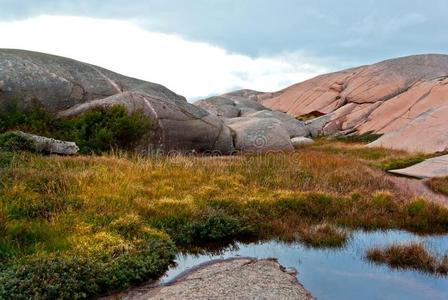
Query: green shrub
(96,131)
(12,142)
(82,276)
(102,129)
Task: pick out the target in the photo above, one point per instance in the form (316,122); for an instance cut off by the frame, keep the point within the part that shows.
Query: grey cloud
(346,31)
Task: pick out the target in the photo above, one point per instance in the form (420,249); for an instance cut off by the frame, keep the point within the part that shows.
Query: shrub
(96,131)
(102,129)
(69,276)
(13,142)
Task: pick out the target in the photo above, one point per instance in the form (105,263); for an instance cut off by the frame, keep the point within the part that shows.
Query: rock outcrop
(259,135)
(243,278)
(405,99)
(68,88)
(41,144)
(298,142)
(432,167)
(255,128)
(180,126)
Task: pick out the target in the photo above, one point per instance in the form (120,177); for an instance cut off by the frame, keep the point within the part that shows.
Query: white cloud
(192,69)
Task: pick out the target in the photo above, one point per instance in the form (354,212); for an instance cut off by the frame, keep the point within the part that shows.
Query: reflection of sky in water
(343,273)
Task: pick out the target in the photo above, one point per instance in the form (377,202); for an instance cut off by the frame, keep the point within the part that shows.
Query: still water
(343,273)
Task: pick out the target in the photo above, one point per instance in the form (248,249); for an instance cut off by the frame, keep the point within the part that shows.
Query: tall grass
(116,216)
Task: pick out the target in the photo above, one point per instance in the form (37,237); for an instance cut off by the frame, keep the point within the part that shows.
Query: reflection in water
(342,273)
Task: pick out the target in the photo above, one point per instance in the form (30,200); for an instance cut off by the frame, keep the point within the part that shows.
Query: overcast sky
(203,47)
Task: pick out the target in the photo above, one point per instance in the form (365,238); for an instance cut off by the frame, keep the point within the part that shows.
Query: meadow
(82,226)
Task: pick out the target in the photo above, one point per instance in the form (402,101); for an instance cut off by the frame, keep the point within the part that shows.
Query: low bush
(82,275)
(96,131)
(12,142)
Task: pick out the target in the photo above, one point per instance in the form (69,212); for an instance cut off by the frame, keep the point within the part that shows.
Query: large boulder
(177,126)
(404,99)
(294,127)
(233,104)
(69,88)
(59,83)
(259,135)
(298,142)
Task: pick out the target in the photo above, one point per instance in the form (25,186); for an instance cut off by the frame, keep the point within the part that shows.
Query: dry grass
(52,204)
(439,185)
(323,236)
(413,256)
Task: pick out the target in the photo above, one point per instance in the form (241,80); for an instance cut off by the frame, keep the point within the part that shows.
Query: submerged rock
(243,278)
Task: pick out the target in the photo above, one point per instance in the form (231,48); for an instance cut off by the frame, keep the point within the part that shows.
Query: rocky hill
(405,99)
(68,87)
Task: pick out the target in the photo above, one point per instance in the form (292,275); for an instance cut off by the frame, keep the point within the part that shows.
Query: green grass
(119,218)
(414,256)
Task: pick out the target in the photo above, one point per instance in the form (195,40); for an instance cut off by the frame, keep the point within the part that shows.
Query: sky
(199,48)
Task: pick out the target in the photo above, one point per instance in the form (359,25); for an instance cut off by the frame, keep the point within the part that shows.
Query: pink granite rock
(406,99)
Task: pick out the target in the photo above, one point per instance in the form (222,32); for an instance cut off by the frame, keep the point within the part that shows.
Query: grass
(118,218)
(412,256)
(439,185)
(323,236)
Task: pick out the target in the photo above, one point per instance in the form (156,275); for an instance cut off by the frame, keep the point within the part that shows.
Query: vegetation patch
(439,185)
(359,138)
(323,236)
(413,256)
(96,131)
(117,217)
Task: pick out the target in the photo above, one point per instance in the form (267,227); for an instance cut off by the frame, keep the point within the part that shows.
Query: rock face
(255,128)
(46,145)
(259,134)
(60,83)
(234,279)
(405,99)
(179,126)
(433,167)
(68,88)
(232,105)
